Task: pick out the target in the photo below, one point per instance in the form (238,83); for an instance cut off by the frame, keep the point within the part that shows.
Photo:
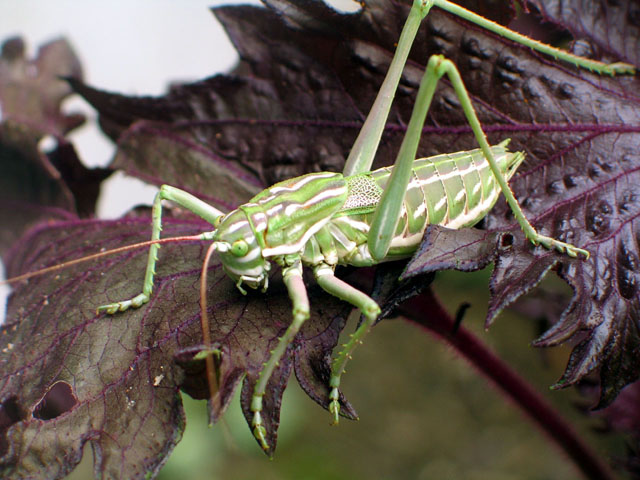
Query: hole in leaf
(10,413)
(58,400)
(506,240)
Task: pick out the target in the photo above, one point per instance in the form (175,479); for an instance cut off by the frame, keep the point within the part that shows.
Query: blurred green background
(424,412)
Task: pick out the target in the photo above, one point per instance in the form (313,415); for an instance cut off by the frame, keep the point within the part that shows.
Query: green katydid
(360,217)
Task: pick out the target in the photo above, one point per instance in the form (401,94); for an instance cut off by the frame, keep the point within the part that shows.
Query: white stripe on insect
(296,186)
(299,245)
(445,176)
(330,193)
(468,216)
(339,236)
(420,210)
(356,224)
(259,221)
(237,226)
(273,210)
(441,203)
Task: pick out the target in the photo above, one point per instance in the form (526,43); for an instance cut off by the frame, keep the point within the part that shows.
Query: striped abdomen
(453,190)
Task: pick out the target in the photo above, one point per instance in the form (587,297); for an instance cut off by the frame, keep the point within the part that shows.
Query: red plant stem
(440,323)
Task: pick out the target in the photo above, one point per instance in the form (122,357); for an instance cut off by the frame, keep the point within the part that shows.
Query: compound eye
(239,248)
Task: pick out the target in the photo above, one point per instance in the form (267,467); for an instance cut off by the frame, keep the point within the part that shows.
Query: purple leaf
(119,369)
(581,135)
(31,189)
(31,91)
(611,29)
(624,415)
(35,186)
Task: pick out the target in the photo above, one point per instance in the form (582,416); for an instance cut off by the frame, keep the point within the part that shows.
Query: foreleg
(185,200)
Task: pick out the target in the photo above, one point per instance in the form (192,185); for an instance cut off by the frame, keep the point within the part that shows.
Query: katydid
(360,217)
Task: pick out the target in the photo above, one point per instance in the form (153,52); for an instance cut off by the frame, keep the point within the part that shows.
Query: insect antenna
(126,248)
(211,370)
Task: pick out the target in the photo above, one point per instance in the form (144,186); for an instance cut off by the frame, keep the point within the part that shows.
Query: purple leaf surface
(119,376)
(581,135)
(295,104)
(624,415)
(611,29)
(31,91)
(34,185)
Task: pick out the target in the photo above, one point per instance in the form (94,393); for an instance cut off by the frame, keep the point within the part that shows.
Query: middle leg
(331,284)
(298,294)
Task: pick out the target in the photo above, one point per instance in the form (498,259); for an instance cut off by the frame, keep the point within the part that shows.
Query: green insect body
(325,218)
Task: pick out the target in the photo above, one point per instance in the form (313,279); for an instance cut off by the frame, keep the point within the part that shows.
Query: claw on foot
(619,68)
(259,431)
(334,406)
(135,302)
(563,247)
